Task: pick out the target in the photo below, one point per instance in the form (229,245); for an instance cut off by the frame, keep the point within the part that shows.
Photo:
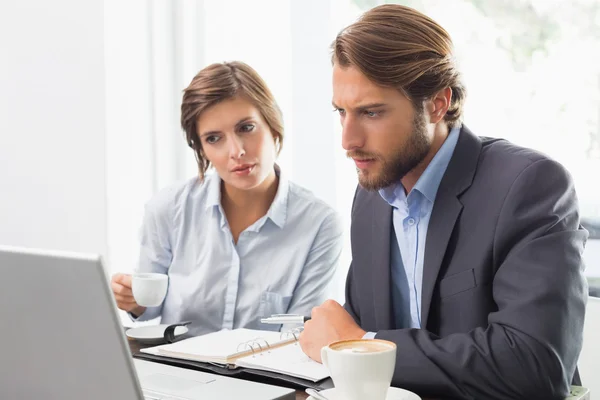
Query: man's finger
(303,342)
(330,303)
(307,326)
(314,312)
(319,312)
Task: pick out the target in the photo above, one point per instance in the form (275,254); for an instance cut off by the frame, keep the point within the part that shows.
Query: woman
(243,243)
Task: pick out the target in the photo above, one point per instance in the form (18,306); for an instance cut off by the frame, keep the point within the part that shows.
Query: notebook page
(288,360)
(218,346)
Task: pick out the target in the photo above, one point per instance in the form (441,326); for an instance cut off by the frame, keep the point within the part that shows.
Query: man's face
(381,129)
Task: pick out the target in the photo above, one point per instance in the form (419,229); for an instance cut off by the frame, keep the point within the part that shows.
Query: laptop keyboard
(148,396)
(160,396)
(154,396)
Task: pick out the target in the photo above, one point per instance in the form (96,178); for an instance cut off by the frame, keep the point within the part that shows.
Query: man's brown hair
(397,46)
(224,81)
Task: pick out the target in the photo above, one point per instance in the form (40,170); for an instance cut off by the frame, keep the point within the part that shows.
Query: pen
(285,319)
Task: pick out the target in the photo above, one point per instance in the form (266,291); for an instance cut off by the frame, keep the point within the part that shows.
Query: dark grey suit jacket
(503,296)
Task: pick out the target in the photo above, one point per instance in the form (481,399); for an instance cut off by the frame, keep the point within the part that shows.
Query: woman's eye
(247,128)
(212,139)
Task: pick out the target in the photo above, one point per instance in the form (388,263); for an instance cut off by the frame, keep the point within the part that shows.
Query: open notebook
(263,350)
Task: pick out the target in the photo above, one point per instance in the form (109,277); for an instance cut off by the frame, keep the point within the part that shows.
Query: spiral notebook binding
(295,333)
(260,345)
(254,345)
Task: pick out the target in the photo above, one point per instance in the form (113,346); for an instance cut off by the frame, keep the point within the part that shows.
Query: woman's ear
(277,140)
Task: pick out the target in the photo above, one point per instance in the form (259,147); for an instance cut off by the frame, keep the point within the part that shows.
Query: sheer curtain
(153,50)
(146,67)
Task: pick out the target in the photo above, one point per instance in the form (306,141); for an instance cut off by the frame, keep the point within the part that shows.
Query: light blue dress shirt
(411,216)
(282,263)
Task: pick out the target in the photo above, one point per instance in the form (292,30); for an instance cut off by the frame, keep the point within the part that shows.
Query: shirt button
(411,221)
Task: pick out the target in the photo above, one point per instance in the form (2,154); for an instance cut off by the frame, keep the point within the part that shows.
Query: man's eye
(340,111)
(372,114)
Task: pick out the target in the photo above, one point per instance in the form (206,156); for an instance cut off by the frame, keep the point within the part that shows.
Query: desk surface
(135,346)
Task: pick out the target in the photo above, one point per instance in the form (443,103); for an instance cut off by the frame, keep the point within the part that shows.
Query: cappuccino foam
(362,346)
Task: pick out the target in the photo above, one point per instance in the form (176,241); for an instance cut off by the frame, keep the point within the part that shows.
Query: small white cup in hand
(360,369)
(149,289)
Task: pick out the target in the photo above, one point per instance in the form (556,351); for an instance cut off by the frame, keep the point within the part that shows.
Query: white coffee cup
(149,289)
(360,369)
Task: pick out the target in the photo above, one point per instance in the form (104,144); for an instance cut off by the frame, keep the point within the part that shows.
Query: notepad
(222,347)
(262,350)
(289,360)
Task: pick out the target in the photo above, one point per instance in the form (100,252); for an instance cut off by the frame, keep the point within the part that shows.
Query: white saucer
(394,393)
(153,334)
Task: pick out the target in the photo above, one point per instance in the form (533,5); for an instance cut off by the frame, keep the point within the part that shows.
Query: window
(530,67)
(532,75)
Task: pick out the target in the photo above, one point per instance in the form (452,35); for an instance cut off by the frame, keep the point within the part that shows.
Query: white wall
(52,123)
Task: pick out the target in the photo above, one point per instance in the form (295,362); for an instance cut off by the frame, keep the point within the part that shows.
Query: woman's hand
(121,287)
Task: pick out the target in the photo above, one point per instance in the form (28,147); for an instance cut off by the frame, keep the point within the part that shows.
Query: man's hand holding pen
(329,323)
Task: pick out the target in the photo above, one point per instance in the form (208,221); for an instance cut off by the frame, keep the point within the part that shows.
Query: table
(135,346)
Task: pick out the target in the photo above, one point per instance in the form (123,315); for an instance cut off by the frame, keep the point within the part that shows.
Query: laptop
(61,338)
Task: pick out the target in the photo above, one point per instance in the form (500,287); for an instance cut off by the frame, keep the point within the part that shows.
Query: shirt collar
(213,188)
(429,181)
(393,194)
(278,209)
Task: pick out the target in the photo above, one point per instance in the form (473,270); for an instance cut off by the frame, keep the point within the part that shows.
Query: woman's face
(238,142)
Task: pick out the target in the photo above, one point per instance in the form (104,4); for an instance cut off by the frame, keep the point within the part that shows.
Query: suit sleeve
(531,344)
(350,292)
(350,296)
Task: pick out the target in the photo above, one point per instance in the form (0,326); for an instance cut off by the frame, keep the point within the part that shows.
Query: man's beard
(401,162)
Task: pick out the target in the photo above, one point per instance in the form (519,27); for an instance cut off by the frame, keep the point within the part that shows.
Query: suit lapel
(446,210)
(380,273)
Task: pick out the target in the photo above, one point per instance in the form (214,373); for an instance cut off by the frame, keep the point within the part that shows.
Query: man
(466,251)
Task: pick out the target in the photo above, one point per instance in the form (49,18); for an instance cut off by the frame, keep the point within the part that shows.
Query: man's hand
(329,323)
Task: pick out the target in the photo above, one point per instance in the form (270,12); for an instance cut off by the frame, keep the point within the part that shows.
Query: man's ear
(438,105)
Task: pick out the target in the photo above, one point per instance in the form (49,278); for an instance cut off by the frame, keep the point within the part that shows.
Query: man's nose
(352,135)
